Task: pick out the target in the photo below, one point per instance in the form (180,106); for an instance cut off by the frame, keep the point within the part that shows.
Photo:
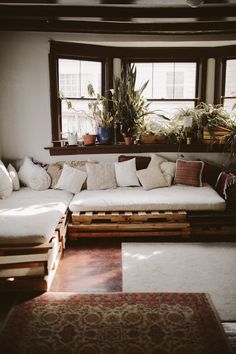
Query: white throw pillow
(14,177)
(152,178)
(167,167)
(126,173)
(100,176)
(71,179)
(34,176)
(6,186)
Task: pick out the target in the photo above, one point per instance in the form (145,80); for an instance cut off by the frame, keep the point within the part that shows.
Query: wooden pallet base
(30,267)
(213,224)
(116,224)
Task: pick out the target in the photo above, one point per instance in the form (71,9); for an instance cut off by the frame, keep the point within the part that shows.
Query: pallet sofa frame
(32,266)
(152,223)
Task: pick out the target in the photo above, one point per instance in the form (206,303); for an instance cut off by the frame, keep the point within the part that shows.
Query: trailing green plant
(211,116)
(129,104)
(99,108)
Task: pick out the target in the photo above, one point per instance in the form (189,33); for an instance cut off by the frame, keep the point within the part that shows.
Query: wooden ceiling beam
(119,27)
(116,11)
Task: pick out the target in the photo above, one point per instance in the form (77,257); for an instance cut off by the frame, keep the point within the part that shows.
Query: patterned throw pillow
(189,172)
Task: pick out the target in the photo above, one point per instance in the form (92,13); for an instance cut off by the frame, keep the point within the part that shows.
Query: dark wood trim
(168,28)
(74,51)
(122,148)
(55,101)
(201,80)
(151,54)
(220,75)
(116,11)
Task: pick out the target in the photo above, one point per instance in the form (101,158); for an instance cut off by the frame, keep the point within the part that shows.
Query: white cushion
(34,176)
(14,177)
(29,216)
(126,174)
(100,176)
(167,167)
(175,197)
(71,179)
(152,178)
(6,186)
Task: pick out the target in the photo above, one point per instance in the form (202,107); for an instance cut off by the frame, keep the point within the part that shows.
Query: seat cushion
(175,197)
(29,216)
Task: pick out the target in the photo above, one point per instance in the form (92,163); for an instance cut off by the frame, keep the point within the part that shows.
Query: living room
(31,125)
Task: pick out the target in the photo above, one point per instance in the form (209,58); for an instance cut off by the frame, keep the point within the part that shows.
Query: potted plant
(150,131)
(215,122)
(129,105)
(99,108)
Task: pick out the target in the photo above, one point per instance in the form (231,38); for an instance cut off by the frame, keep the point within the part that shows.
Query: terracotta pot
(129,140)
(148,139)
(89,139)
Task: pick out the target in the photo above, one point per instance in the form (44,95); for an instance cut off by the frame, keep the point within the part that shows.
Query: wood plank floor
(91,265)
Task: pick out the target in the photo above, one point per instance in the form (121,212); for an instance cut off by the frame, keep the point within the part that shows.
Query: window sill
(122,148)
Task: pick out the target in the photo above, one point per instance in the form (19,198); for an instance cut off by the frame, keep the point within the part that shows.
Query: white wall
(25,118)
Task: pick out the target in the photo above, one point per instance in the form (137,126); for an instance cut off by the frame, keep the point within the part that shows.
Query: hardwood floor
(91,265)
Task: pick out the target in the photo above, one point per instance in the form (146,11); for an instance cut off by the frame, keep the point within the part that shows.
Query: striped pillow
(189,172)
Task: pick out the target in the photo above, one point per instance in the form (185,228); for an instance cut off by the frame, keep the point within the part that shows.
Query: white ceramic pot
(72,138)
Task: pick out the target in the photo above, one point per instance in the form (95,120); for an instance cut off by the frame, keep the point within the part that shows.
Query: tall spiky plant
(129,104)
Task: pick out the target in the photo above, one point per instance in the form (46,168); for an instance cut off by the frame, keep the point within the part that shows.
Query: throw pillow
(33,176)
(189,172)
(152,178)
(55,169)
(100,176)
(6,186)
(71,179)
(14,177)
(167,167)
(126,173)
(141,161)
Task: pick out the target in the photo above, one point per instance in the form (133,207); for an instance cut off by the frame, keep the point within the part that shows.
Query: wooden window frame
(77,51)
(127,54)
(221,56)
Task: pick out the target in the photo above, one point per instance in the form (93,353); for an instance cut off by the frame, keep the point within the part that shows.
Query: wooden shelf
(122,148)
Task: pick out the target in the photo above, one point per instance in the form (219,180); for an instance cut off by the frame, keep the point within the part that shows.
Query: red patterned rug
(116,323)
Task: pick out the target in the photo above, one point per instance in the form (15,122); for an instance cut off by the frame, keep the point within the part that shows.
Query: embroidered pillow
(126,173)
(189,172)
(100,176)
(152,178)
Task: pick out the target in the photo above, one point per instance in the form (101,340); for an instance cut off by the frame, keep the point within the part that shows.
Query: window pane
(91,73)
(230,78)
(77,119)
(144,73)
(75,75)
(168,80)
(229,103)
(168,109)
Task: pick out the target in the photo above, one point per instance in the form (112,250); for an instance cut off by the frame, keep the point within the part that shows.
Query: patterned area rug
(116,323)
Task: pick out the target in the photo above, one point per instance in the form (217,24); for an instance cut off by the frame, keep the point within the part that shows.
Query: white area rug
(183,267)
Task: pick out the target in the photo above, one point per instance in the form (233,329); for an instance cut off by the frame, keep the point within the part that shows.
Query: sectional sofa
(34,222)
